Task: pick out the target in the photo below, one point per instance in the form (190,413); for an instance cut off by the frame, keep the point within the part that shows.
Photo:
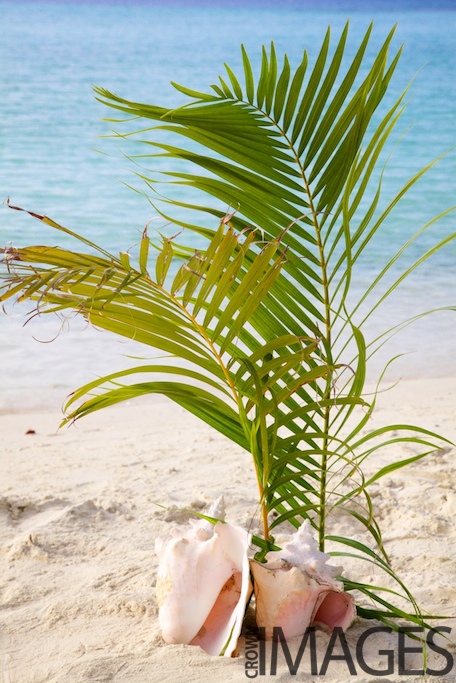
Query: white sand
(78,523)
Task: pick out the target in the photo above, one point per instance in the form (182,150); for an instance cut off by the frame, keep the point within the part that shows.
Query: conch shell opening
(211,636)
(335,610)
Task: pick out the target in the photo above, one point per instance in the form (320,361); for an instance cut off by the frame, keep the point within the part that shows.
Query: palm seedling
(257,329)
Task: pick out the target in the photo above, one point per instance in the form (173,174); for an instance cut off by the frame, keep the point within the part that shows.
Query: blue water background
(54,159)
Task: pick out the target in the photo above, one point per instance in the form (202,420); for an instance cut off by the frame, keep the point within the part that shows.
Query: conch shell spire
(216,511)
(302,552)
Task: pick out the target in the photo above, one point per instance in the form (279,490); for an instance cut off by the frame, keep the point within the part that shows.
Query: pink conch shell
(203,585)
(296,588)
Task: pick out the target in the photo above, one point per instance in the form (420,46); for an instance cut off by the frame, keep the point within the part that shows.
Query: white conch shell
(296,587)
(203,584)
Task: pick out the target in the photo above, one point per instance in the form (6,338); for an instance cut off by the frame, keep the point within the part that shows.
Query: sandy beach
(302,144)
(78,524)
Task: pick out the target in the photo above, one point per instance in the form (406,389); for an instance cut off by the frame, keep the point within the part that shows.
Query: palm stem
(264,514)
(328,327)
(327,394)
(324,455)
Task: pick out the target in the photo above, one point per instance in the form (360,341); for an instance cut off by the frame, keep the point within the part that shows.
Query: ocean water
(55,158)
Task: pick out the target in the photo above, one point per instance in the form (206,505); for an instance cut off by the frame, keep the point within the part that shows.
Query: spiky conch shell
(296,588)
(203,584)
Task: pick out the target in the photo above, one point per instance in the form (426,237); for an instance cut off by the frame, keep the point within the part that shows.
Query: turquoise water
(52,54)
